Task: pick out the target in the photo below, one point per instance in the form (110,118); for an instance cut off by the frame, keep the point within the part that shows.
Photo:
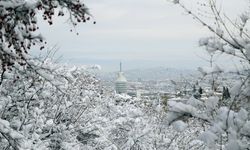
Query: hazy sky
(140,33)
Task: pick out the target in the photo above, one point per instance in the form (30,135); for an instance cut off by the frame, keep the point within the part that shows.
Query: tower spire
(121,82)
(120,66)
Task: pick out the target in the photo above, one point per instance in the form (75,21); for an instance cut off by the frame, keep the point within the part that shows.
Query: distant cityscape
(164,83)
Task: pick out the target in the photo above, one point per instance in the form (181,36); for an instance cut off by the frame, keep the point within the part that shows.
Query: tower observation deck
(121,82)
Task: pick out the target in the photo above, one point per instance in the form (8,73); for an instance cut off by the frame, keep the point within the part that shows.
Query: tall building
(121,82)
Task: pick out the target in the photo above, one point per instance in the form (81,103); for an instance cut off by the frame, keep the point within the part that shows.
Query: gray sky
(140,33)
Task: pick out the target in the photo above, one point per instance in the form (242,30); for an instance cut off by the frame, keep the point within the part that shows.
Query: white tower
(121,82)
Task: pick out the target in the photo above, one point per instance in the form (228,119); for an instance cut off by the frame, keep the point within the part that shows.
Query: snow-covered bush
(228,123)
(122,122)
(41,105)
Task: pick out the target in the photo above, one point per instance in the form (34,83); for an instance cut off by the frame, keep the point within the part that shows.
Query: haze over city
(141,34)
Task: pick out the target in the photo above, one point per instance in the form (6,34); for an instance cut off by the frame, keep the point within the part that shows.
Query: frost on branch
(179,125)
(41,105)
(227,119)
(19,27)
(210,70)
(175,1)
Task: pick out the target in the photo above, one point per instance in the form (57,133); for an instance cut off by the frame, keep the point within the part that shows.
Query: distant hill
(157,73)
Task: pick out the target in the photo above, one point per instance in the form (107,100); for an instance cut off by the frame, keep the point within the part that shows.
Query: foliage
(229,123)
(19,26)
(41,106)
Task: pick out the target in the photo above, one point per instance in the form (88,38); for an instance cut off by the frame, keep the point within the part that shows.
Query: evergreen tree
(200,90)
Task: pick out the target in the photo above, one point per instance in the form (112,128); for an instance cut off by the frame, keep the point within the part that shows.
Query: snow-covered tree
(19,29)
(41,102)
(228,123)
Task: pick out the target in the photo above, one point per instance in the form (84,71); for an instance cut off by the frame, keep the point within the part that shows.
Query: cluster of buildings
(159,89)
(135,89)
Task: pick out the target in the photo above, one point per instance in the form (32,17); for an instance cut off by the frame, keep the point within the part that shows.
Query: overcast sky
(140,33)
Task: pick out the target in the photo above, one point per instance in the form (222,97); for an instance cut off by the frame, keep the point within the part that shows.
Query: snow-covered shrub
(135,124)
(41,104)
